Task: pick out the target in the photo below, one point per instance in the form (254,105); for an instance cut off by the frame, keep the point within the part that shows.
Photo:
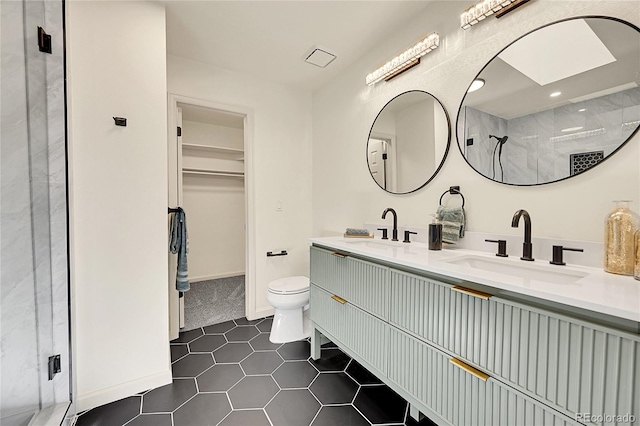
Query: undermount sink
(520,269)
(386,245)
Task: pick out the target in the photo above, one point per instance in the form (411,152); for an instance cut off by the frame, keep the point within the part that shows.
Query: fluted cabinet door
(458,396)
(364,284)
(572,365)
(358,331)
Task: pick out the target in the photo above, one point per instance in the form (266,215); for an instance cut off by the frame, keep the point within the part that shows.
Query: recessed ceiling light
(582,110)
(555,94)
(572,129)
(475,85)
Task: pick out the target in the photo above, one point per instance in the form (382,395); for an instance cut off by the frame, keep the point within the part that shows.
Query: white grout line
(228,414)
(360,412)
(316,415)
(268,418)
(182,405)
(272,398)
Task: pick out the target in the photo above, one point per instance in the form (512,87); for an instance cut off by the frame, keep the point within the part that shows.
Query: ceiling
(270,39)
(508,93)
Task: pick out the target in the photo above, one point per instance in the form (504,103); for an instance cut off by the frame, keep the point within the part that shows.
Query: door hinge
(179,131)
(44,41)
(54,366)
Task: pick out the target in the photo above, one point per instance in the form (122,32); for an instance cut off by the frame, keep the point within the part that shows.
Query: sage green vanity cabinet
(457,396)
(363,283)
(360,332)
(513,363)
(571,365)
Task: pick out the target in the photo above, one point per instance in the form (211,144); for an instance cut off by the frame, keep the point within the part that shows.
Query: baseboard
(215,277)
(260,313)
(114,393)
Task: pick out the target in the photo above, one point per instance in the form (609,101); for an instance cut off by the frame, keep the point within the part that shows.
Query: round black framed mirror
(555,102)
(408,142)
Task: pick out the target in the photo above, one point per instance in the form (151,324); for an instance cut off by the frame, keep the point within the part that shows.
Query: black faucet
(527,247)
(395,222)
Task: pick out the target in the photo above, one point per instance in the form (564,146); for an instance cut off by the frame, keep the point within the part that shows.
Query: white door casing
(175,199)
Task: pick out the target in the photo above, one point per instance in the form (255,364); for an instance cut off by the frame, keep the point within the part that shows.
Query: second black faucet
(527,247)
(395,222)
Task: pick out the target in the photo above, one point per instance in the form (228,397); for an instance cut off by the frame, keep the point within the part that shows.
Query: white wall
(118,190)
(344,193)
(281,168)
(415,139)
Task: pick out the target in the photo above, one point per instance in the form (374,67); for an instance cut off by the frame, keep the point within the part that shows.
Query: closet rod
(212,173)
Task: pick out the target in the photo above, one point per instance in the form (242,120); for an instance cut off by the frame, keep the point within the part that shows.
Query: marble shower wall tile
(534,153)
(18,339)
(478,126)
(55,94)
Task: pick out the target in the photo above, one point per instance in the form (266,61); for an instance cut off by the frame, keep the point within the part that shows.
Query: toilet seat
(289,285)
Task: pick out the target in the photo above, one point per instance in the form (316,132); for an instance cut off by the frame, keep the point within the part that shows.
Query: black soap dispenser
(435,234)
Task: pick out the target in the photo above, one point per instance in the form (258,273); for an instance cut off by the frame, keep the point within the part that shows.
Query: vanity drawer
(571,365)
(362,283)
(356,330)
(458,396)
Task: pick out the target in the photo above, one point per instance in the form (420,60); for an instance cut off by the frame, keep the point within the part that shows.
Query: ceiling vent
(320,57)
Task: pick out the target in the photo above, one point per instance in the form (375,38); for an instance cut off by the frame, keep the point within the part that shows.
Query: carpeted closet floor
(213,302)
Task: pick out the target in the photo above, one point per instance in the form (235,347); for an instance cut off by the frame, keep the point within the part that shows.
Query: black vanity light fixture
(404,61)
(486,8)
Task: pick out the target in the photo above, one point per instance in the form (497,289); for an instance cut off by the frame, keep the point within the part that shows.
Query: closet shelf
(220,173)
(212,148)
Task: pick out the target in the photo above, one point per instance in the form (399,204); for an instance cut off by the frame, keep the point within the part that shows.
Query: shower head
(502,140)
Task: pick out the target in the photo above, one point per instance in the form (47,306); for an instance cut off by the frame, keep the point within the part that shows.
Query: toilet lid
(289,285)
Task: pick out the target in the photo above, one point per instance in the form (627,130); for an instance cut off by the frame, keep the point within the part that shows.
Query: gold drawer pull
(338,299)
(479,374)
(340,255)
(470,292)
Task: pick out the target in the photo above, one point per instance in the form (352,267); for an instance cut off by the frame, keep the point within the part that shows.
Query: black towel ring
(453,190)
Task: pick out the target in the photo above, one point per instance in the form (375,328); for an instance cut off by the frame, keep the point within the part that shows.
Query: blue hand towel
(453,223)
(178,243)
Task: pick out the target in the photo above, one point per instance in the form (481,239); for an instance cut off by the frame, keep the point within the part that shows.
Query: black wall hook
(120,121)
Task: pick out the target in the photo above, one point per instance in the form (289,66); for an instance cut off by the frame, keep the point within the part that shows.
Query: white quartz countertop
(577,286)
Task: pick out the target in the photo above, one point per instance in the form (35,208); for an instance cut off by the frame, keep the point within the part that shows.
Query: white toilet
(290,297)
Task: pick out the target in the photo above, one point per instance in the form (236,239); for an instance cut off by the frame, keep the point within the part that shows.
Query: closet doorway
(209,178)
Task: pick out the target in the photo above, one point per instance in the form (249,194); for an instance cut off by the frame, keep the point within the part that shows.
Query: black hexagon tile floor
(230,374)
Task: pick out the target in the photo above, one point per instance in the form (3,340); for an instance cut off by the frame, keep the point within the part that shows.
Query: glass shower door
(33,233)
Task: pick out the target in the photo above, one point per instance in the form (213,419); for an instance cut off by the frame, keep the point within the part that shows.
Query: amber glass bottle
(620,228)
(636,269)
